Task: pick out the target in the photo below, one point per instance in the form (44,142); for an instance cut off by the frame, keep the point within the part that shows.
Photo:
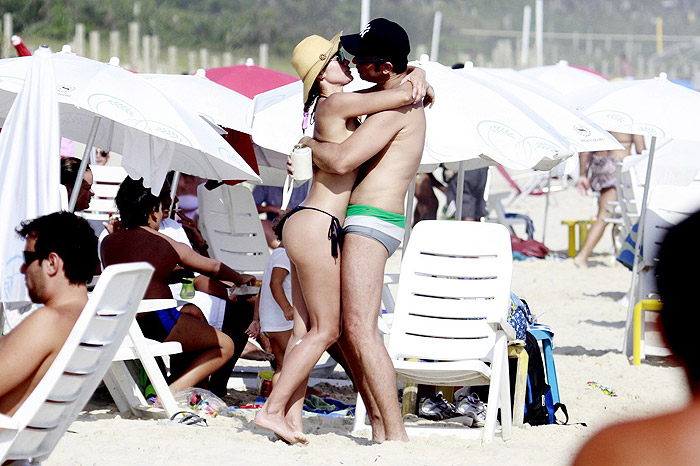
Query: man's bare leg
(364,260)
(597,229)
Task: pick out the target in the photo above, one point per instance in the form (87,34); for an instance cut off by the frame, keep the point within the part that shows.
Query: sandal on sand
(190,419)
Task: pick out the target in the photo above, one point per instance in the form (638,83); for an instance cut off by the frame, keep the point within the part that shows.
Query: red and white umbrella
(249,79)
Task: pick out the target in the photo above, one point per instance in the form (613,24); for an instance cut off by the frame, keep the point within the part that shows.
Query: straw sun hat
(311,55)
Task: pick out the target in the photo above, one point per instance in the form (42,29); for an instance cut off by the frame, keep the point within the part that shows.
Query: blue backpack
(540,408)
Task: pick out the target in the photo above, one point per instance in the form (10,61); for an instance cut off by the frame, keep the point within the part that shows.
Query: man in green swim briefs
(387,147)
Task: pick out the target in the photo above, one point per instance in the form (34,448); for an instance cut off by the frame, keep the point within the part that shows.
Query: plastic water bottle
(187,291)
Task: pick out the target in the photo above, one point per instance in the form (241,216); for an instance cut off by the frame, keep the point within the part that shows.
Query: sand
(582,307)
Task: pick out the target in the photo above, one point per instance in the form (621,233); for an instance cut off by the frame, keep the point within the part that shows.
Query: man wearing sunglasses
(60,257)
(387,148)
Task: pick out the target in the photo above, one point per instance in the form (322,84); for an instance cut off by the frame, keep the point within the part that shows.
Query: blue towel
(529,226)
(626,255)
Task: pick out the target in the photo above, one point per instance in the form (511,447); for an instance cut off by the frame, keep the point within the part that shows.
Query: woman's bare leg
(194,335)
(597,229)
(319,276)
(295,407)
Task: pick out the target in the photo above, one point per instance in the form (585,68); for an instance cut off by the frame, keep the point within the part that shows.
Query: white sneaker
(473,407)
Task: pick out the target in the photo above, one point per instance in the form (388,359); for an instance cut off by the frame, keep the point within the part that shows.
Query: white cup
(301,162)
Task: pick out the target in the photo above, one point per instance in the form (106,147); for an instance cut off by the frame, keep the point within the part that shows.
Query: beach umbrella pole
(546,205)
(634,291)
(173,192)
(83,164)
(459,193)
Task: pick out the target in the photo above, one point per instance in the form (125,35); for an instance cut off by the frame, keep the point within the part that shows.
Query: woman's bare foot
(580,262)
(279,426)
(294,422)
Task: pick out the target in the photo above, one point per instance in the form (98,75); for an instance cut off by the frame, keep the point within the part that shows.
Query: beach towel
(529,247)
(313,406)
(626,255)
(519,316)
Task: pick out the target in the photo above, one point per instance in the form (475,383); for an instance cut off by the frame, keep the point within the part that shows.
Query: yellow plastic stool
(637,322)
(582,233)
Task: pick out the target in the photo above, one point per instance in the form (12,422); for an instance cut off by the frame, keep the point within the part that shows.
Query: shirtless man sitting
(60,257)
(387,148)
(598,173)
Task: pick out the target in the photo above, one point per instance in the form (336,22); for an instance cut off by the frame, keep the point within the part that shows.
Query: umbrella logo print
(623,123)
(504,140)
(65,90)
(582,130)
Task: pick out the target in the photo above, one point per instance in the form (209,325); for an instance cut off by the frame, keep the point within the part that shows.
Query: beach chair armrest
(7,422)
(507,329)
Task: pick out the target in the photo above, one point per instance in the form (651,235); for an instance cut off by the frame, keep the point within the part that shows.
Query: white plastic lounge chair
(37,426)
(106,181)
(667,206)
(229,221)
(118,380)
(449,325)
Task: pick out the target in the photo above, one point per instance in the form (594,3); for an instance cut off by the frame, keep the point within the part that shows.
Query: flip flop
(190,419)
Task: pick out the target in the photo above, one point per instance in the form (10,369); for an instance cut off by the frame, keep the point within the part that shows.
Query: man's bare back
(388,145)
(384,179)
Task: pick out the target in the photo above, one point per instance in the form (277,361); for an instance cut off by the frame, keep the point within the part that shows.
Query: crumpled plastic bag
(202,402)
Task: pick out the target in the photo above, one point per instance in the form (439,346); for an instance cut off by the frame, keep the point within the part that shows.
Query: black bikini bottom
(335,231)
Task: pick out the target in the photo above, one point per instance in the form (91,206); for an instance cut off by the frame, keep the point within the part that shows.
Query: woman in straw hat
(312,231)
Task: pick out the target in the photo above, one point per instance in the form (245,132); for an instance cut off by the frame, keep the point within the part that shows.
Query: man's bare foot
(399,438)
(279,426)
(580,262)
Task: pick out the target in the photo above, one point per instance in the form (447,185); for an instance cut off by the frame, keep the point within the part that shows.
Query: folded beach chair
(535,184)
(229,221)
(449,325)
(37,426)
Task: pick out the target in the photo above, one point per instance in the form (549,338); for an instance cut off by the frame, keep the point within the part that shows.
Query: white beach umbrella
(565,78)
(470,121)
(581,131)
(276,124)
(107,106)
(473,119)
(218,104)
(29,163)
(651,107)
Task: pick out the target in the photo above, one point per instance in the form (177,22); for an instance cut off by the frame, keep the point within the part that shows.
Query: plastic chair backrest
(79,366)
(455,281)
(229,220)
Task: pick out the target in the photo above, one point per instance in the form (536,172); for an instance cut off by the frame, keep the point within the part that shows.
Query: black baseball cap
(380,38)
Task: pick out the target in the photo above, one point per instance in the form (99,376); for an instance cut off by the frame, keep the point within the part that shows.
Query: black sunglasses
(29,257)
(341,56)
